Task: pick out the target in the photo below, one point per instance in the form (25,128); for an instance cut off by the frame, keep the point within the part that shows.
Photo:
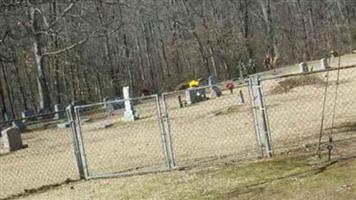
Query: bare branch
(70,47)
(4,37)
(67,48)
(65,12)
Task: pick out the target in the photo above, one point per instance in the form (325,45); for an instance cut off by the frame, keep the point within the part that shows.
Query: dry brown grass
(299,177)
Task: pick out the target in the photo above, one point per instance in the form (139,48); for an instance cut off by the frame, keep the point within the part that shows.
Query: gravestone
(129,114)
(303,67)
(179,101)
(106,99)
(27,114)
(114,104)
(213,80)
(324,64)
(242,98)
(59,113)
(195,95)
(215,92)
(11,139)
(19,125)
(7,116)
(44,113)
(203,82)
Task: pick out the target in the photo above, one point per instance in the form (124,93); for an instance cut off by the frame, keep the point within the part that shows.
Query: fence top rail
(241,85)
(31,117)
(306,73)
(154,96)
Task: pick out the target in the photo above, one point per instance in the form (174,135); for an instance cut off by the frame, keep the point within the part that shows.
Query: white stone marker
(324,64)
(303,67)
(129,115)
(58,112)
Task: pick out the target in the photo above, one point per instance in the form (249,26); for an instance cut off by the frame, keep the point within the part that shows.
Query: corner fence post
(263,113)
(167,132)
(74,135)
(163,133)
(254,107)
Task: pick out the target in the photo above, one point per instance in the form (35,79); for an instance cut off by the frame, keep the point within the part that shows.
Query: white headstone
(11,139)
(303,67)
(105,100)
(324,64)
(129,114)
(7,116)
(24,115)
(58,111)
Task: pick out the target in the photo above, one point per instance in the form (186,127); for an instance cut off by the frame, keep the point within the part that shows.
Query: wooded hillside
(59,51)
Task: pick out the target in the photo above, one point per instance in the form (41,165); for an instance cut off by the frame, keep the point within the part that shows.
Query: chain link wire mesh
(213,129)
(46,159)
(115,145)
(301,110)
(305,109)
(342,123)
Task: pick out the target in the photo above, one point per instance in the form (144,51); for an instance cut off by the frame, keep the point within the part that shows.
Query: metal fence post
(255,118)
(167,131)
(74,135)
(267,139)
(81,143)
(163,133)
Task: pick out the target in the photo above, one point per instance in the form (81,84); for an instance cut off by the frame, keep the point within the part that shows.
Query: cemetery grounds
(219,131)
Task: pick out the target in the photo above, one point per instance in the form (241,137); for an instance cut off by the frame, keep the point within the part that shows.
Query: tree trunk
(244,10)
(20,84)
(305,42)
(140,62)
(8,91)
(39,59)
(107,49)
(3,102)
(272,49)
(202,53)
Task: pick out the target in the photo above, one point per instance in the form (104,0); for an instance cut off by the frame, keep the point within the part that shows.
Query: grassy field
(219,130)
(299,177)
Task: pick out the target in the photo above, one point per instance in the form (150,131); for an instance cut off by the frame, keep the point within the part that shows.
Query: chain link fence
(46,159)
(212,128)
(115,142)
(306,110)
(198,126)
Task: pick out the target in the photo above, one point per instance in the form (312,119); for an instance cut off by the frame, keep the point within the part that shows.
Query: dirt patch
(291,83)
